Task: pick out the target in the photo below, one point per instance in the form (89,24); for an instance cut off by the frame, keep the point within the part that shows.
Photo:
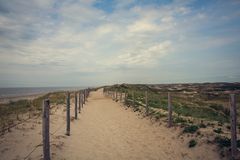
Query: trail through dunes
(106,130)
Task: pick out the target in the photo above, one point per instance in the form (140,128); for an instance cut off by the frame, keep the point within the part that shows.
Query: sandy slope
(104,130)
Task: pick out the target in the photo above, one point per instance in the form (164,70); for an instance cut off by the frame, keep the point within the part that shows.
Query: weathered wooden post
(146,102)
(68,114)
(116,96)
(125,97)
(79,102)
(83,92)
(120,96)
(133,96)
(88,92)
(82,98)
(85,96)
(169,110)
(76,114)
(45,130)
(233,115)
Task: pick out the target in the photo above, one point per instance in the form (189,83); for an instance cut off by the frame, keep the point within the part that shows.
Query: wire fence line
(79,98)
(136,98)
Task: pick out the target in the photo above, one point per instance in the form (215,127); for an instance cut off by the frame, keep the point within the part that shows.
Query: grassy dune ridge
(202,110)
(17,111)
(187,103)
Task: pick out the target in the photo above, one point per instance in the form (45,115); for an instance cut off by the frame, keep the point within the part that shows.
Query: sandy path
(105,130)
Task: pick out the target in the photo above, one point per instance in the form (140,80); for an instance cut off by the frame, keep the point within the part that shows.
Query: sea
(29,91)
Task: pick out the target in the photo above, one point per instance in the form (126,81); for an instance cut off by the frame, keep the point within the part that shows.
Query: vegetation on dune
(225,142)
(11,111)
(192,143)
(192,105)
(190,129)
(218,130)
(188,105)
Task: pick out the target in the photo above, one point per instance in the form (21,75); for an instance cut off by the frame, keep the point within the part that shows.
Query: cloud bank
(92,42)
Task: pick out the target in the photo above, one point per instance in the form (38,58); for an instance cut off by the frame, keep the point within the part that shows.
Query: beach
(104,130)
(29,93)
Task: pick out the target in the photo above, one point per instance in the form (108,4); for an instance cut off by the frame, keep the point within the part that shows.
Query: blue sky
(97,42)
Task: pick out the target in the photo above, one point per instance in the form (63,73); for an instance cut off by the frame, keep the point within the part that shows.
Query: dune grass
(183,105)
(11,111)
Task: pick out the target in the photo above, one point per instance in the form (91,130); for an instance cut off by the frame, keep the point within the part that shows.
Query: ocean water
(21,92)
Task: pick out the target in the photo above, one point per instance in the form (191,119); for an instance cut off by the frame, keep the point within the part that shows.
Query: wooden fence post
(146,102)
(169,110)
(79,102)
(116,94)
(133,96)
(68,114)
(45,130)
(76,114)
(88,92)
(120,96)
(125,97)
(82,98)
(84,94)
(233,115)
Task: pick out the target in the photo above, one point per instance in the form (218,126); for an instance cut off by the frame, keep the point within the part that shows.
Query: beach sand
(105,130)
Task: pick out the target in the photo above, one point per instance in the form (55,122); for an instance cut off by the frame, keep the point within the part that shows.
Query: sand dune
(104,130)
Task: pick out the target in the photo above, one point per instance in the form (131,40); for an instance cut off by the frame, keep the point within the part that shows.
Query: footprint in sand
(4,150)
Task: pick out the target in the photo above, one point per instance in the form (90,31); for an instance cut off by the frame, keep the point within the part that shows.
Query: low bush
(192,143)
(202,125)
(218,130)
(190,129)
(179,120)
(223,141)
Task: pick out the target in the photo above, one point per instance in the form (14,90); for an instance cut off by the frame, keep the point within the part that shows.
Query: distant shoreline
(15,94)
(5,100)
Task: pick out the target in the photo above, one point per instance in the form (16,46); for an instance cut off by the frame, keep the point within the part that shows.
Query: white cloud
(143,26)
(143,57)
(74,36)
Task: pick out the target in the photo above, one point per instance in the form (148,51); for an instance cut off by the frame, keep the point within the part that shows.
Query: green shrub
(190,129)
(179,120)
(218,130)
(223,141)
(192,143)
(202,125)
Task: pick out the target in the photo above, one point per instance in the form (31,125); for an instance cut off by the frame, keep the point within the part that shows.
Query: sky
(97,42)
